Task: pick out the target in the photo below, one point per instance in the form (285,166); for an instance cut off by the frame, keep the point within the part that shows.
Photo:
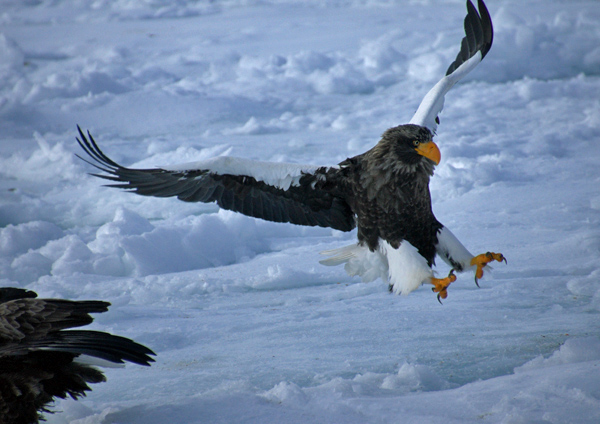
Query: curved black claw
(491,256)
(444,292)
(439,296)
(502,257)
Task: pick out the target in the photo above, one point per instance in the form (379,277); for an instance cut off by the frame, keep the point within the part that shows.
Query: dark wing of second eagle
(317,199)
(40,354)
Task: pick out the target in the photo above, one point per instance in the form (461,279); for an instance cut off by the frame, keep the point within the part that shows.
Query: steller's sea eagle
(384,191)
(39,360)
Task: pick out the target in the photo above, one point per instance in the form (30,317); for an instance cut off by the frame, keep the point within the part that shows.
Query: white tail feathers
(359,261)
(340,255)
(403,268)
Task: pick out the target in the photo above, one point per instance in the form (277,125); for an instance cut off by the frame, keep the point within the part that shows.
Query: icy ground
(248,327)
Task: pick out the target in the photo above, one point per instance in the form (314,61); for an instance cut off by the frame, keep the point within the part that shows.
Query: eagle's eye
(416,143)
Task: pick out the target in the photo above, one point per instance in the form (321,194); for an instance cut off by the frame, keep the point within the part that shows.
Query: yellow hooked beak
(430,151)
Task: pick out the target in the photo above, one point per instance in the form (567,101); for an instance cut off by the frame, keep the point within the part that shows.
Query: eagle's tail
(359,261)
(403,268)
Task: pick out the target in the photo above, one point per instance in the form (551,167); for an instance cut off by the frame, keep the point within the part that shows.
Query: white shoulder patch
(278,174)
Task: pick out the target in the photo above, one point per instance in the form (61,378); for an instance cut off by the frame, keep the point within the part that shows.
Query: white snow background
(248,327)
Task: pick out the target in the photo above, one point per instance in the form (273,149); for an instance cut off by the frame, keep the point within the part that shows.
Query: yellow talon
(482,260)
(440,285)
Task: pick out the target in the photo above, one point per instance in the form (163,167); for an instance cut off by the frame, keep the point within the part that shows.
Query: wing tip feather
(479,34)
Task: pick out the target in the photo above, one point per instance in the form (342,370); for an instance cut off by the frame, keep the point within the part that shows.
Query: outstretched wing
(28,325)
(475,45)
(41,360)
(279,192)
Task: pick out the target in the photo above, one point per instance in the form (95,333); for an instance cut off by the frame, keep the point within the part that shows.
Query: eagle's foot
(440,285)
(482,260)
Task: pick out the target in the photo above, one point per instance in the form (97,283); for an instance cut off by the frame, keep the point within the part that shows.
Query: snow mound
(409,378)
(573,351)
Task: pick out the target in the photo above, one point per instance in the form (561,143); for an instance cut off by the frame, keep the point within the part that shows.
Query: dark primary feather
(479,35)
(10,293)
(37,355)
(316,201)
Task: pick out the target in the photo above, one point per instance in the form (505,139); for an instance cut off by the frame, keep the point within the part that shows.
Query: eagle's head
(412,145)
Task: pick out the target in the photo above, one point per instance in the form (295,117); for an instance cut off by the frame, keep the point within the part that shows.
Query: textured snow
(247,325)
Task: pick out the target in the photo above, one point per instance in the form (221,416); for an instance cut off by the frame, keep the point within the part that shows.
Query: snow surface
(247,325)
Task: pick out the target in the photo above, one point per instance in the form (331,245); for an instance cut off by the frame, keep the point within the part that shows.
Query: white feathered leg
(452,251)
(407,268)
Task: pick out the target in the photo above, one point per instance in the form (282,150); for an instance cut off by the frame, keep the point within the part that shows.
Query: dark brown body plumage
(388,191)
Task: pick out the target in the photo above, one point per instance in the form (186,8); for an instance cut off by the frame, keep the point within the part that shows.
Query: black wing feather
(101,345)
(305,204)
(479,35)
(37,353)
(11,293)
